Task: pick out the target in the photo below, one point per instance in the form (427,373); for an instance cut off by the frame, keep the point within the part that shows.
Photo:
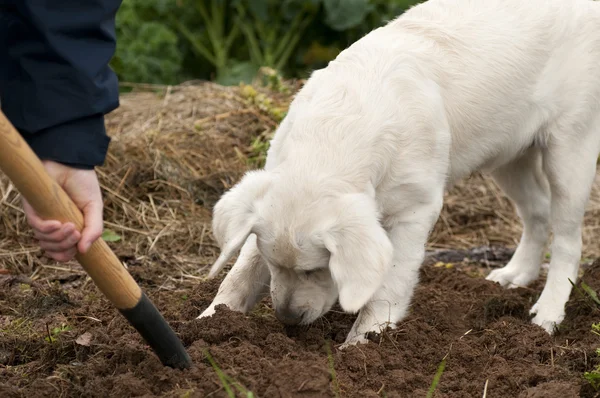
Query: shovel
(27,173)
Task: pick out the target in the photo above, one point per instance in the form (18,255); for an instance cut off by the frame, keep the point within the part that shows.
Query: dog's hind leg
(245,284)
(525,183)
(570,163)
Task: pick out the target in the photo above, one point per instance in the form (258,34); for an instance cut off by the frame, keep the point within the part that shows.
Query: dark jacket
(55,82)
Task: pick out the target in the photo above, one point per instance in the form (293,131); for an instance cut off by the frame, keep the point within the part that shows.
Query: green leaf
(593,295)
(593,378)
(147,51)
(239,72)
(291,8)
(437,377)
(346,14)
(110,236)
(260,9)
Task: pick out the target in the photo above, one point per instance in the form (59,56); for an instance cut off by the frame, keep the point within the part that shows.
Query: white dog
(356,173)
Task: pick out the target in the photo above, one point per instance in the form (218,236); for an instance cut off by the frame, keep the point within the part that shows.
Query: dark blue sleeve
(55,82)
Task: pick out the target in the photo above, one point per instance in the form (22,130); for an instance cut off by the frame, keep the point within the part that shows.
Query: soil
(63,339)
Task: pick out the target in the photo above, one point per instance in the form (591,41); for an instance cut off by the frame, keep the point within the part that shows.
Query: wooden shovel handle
(27,173)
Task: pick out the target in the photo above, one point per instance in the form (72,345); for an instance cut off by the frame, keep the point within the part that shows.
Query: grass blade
(437,377)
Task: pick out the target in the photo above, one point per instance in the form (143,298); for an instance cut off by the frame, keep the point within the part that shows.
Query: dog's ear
(234,215)
(361,252)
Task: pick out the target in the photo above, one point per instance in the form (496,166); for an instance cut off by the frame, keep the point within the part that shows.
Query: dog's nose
(288,317)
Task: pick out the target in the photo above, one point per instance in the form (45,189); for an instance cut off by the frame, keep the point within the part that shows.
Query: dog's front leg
(391,302)
(246,283)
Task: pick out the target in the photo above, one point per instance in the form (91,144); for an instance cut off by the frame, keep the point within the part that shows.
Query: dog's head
(320,244)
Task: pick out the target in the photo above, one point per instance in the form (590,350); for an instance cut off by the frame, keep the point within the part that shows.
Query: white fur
(356,173)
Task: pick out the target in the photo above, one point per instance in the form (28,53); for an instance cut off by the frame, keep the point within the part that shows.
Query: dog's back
(507,69)
(504,69)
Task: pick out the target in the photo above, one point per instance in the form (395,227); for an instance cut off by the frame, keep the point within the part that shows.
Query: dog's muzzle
(287,317)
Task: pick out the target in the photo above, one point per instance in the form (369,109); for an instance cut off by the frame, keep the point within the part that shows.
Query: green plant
(591,298)
(55,332)
(437,377)
(214,37)
(346,14)
(228,41)
(258,150)
(147,51)
(593,376)
(590,292)
(273,80)
(18,326)
(336,386)
(273,28)
(226,380)
(110,236)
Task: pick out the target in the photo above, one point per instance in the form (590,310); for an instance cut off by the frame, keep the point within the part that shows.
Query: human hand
(61,241)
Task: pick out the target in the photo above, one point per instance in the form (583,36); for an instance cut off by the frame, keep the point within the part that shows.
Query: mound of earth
(69,342)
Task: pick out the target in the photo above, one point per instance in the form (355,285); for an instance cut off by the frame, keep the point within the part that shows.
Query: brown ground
(483,329)
(174,153)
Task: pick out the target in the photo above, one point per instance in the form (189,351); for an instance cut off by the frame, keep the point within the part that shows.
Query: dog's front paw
(354,340)
(210,311)
(371,334)
(512,277)
(547,316)
(227,302)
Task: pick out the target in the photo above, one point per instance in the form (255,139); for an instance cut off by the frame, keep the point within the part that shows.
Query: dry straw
(175,149)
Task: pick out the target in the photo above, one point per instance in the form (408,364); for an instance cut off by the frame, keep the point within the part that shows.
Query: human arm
(55,88)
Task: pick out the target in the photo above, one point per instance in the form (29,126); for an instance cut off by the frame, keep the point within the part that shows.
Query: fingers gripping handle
(50,201)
